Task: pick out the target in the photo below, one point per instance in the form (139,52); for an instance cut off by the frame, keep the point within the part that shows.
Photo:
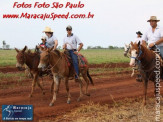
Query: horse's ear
(24,49)
(42,49)
(51,49)
(139,43)
(17,50)
(132,43)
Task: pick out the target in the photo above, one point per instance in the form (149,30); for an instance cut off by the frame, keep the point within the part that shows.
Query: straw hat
(48,29)
(153,18)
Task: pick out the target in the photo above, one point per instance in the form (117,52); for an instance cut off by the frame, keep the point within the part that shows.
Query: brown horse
(32,61)
(60,69)
(147,61)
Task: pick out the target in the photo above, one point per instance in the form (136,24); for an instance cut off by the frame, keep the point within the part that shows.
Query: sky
(115,22)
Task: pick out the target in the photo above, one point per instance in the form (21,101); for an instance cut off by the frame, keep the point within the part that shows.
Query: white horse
(127,49)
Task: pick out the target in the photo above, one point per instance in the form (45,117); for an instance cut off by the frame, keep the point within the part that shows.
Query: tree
(4,44)
(111,47)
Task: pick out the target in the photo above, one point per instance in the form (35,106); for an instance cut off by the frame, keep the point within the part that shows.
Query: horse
(127,53)
(147,60)
(61,70)
(32,61)
(127,48)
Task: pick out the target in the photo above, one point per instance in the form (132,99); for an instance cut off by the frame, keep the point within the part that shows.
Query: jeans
(161,51)
(75,62)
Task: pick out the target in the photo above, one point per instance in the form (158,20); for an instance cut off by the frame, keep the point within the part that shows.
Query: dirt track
(118,88)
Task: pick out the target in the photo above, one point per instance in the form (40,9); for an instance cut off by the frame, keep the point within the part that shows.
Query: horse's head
(135,53)
(44,58)
(127,49)
(20,58)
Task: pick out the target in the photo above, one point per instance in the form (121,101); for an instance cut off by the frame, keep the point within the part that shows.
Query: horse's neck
(147,57)
(54,59)
(29,60)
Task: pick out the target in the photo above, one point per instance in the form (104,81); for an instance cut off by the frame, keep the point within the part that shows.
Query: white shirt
(152,37)
(138,39)
(50,41)
(71,41)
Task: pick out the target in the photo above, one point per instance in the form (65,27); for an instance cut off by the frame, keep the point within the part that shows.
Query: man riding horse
(154,35)
(153,38)
(70,43)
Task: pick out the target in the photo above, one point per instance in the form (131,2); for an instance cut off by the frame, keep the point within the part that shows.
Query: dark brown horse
(32,61)
(149,63)
(61,70)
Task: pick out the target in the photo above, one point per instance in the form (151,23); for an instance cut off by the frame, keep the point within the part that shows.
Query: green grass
(98,56)
(94,56)
(7,57)
(10,75)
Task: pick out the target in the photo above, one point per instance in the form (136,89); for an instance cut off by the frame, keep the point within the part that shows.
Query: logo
(17,112)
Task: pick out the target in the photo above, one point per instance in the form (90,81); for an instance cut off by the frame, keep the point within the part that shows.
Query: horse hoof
(51,104)
(87,94)
(68,101)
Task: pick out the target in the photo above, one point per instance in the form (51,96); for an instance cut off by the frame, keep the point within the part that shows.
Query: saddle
(81,60)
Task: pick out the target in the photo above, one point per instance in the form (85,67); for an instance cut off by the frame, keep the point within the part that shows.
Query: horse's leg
(68,92)
(145,90)
(87,83)
(133,72)
(52,86)
(56,89)
(42,81)
(81,90)
(38,83)
(33,83)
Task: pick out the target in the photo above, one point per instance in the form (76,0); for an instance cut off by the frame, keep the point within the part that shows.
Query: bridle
(49,68)
(140,53)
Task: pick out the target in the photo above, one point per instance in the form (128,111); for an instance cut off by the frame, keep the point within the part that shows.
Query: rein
(54,64)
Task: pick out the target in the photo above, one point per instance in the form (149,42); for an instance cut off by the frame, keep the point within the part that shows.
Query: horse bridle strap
(140,53)
(56,62)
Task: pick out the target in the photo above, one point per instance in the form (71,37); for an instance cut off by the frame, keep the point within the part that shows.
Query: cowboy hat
(153,18)
(139,33)
(48,29)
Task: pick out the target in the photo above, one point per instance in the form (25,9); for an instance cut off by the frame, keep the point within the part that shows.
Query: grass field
(94,56)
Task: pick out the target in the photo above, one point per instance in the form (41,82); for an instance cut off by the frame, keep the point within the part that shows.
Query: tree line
(100,47)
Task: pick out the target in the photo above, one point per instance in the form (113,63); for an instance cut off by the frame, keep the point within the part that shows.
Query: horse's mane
(57,52)
(30,53)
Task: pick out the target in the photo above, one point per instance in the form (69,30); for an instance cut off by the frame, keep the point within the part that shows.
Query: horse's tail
(90,77)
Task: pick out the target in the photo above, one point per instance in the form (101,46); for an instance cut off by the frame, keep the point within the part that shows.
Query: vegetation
(94,56)
(127,110)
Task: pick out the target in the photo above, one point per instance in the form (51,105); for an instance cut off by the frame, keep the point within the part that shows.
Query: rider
(43,44)
(51,40)
(70,43)
(154,35)
(139,37)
